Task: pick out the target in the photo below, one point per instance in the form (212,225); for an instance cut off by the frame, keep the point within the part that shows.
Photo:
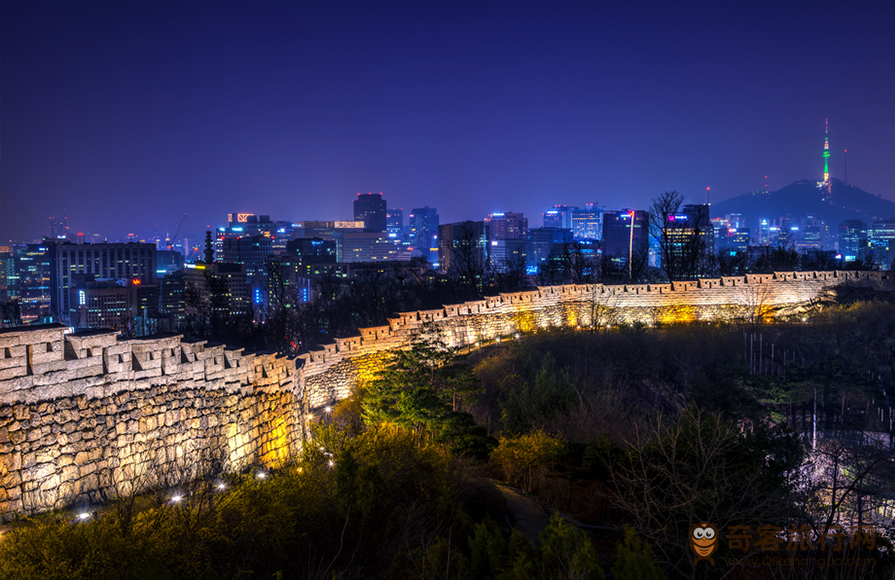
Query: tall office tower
(881,241)
(852,239)
(371,209)
(253,251)
(423,226)
(463,246)
(813,234)
(699,223)
(559,217)
(542,241)
(507,226)
(618,238)
(58,227)
(394,223)
(587,223)
(131,261)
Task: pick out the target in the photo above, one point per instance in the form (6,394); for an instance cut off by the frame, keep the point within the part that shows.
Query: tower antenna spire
(827,152)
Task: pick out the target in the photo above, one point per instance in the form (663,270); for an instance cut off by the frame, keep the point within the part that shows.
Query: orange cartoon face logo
(703,541)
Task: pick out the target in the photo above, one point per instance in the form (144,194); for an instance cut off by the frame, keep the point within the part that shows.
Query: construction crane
(171,241)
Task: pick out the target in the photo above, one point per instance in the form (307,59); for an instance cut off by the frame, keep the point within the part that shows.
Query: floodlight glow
(176,498)
(83,516)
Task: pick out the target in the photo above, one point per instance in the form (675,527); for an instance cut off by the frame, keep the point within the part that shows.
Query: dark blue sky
(128,114)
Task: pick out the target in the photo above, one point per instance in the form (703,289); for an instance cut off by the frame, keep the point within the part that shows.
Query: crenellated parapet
(86,415)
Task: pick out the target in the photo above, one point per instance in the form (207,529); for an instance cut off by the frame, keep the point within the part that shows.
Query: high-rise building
(394,223)
(123,305)
(130,261)
(370,208)
(34,275)
(187,292)
(369,247)
(463,247)
(813,236)
(881,241)
(619,239)
(543,241)
(253,251)
(559,217)
(587,223)
(507,226)
(852,239)
(423,232)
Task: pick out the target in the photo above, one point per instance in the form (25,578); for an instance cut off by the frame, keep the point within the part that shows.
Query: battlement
(83,411)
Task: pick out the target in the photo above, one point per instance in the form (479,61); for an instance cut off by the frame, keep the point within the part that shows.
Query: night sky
(127,114)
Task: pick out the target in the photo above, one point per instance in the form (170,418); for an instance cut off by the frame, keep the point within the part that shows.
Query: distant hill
(844,202)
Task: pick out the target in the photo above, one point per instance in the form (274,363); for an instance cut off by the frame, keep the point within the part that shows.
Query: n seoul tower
(827,153)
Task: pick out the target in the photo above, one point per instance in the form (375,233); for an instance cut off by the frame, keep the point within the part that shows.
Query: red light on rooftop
(80,234)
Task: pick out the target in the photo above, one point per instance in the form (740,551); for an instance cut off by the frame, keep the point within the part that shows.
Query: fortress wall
(87,415)
(331,372)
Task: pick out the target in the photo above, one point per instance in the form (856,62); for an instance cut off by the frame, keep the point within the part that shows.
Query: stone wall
(331,370)
(87,415)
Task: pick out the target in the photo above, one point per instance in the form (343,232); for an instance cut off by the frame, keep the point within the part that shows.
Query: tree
(634,559)
(682,234)
(420,390)
(701,468)
(468,257)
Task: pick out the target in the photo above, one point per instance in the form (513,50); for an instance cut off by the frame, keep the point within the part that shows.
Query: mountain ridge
(803,198)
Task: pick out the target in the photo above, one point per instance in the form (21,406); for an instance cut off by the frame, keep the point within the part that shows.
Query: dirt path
(526,515)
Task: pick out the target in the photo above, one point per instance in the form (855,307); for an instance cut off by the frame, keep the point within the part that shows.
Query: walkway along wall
(88,415)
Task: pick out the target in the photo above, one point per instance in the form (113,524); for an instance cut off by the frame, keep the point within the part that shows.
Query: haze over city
(127,115)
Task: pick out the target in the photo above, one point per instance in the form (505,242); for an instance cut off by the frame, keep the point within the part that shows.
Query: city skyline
(129,116)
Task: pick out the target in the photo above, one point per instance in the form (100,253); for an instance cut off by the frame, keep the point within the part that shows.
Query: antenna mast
(827,152)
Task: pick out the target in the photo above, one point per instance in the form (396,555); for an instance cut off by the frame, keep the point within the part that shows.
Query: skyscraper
(423,226)
(394,223)
(463,247)
(618,238)
(852,239)
(371,209)
(559,217)
(507,226)
(587,223)
(131,261)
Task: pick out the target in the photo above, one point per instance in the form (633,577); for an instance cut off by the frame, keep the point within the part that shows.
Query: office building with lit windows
(507,226)
(423,232)
(618,238)
(130,261)
(371,209)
